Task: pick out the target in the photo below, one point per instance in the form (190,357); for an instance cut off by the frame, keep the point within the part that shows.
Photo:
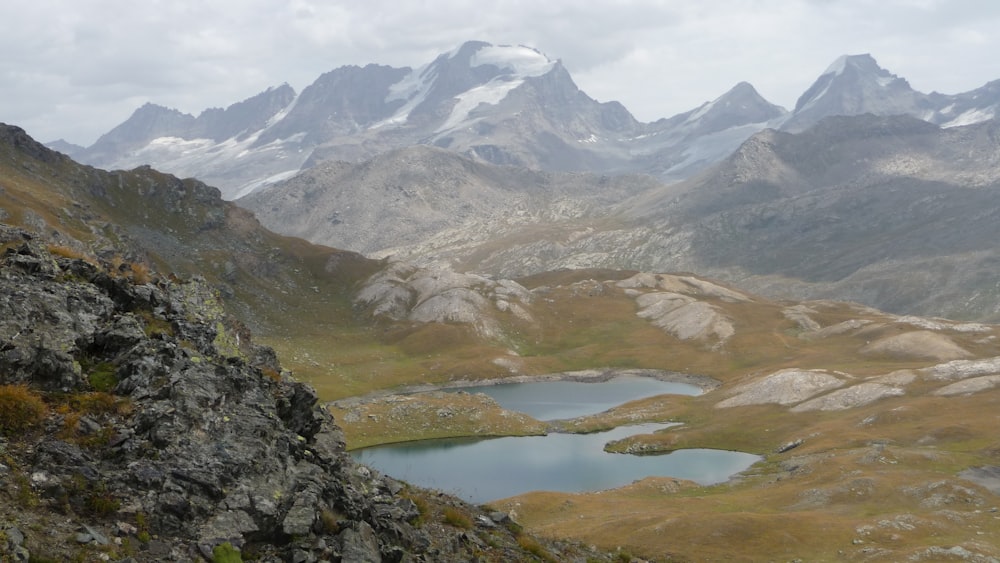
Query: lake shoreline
(598,375)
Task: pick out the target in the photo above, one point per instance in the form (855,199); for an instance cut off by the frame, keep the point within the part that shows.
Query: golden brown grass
(66,252)
(808,503)
(21,409)
(532,546)
(457,518)
(429,415)
(880,477)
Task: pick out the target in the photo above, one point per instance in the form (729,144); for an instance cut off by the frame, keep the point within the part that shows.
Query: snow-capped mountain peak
(864,63)
(521,61)
(852,85)
(475,73)
(741,105)
(837,67)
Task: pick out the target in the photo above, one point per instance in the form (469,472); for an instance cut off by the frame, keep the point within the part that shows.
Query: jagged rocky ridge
(207,442)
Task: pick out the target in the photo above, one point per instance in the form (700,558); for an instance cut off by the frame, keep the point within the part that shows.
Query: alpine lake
(481,470)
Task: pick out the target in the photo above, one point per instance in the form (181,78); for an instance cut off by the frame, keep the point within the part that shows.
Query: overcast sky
(77,68)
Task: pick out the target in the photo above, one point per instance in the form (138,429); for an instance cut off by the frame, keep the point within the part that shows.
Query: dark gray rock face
(893,212)
(212,444)
(339,102)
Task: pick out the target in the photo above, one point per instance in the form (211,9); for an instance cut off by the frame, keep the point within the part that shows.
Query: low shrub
(66,252)
(21,409)
(226,553)
(418,500)
(141,274)
(102,377)
(23,494)
(271,373)
(103,503)
(330,521)
(97,403)
(153,325)
(532,546)
(457,518)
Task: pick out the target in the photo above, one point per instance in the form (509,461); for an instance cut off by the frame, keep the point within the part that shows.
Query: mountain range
(893,212)
(508,105)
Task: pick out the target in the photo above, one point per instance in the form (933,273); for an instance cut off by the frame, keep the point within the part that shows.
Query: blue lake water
(554,400)
(483,470)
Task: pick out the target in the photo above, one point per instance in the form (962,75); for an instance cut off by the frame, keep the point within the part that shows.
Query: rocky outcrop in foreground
(137,422)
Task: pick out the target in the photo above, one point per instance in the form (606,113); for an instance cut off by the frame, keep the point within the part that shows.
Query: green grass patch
(226,553)
(102,377)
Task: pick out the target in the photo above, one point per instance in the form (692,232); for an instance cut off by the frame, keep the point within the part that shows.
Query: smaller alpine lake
(562,399)
(481,470)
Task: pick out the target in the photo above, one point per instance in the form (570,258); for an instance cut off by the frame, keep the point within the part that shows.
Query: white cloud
(77,69)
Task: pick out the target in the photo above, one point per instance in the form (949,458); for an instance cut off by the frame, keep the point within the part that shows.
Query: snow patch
(200,157)
(181,146)
(251,187)
(282,114)
(701,111)
(522,61)
(885,81)
(970,117)
(414,83)
(414,88)
(817,97)
(716,146)
(838,66)
(492,93)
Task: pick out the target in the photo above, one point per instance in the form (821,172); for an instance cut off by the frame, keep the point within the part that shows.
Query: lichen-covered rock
(684,317)
(438,294)
(850,397)
(784,387)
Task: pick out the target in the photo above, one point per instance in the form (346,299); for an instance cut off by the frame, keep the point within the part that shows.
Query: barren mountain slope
(891,212)
(412,195)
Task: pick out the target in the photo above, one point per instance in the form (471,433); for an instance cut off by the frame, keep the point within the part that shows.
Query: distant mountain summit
(741,105)
(967,108)
(151,122)
(854,85)
(501,104)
